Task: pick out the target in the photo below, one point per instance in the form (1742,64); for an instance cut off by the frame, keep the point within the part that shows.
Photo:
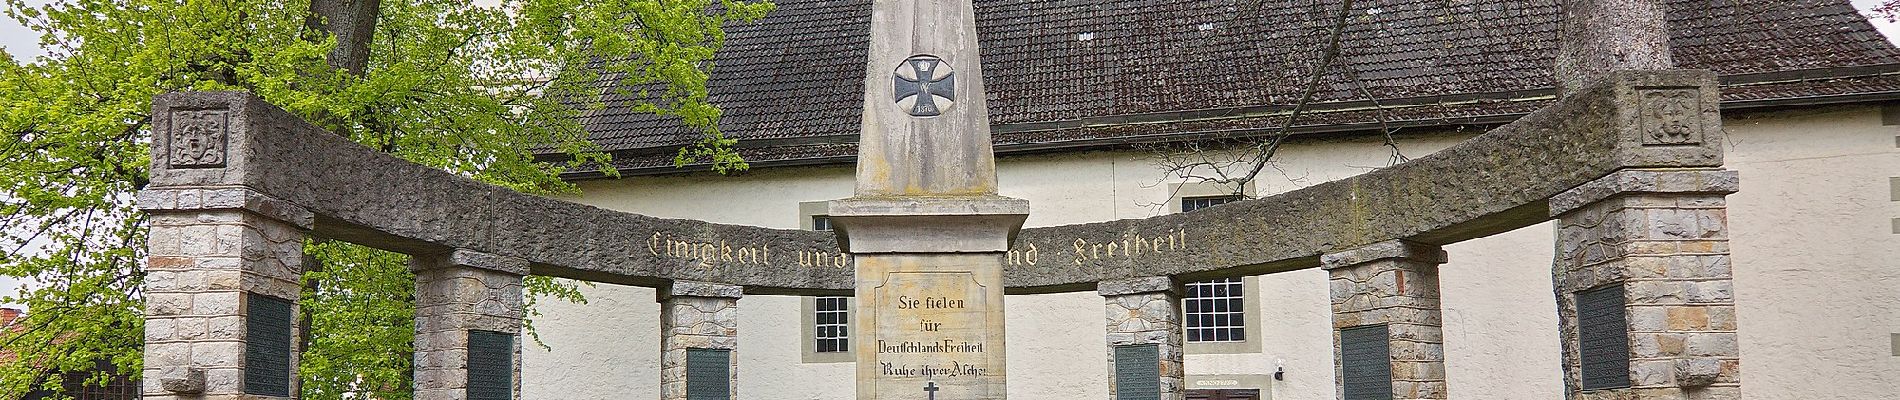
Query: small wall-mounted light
(1279,369)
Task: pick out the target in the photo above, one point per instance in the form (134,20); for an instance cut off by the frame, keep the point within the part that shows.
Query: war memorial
(1628,162)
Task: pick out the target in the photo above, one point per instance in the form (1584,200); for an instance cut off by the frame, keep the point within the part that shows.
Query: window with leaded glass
(833,331)
(1213,311)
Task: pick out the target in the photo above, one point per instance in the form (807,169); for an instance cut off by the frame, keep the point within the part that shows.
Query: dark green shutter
(1365,360)
(491,365)
(1603,348)
(708,374)
(1138,372)
(267,336)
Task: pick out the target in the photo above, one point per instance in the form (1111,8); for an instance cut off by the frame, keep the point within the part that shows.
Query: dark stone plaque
(1365,360)
(1603,348)
(267,333)
(1138,372)
(708,374)
(491,365)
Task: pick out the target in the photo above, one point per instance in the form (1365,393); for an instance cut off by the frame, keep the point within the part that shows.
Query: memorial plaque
(1603,345)
(491,365)
(267,335)
(1138,372)
(936,332)
(708,374)
(1365,361)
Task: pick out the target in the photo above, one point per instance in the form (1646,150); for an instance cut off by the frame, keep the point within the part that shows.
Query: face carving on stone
(198,139)
(925,86)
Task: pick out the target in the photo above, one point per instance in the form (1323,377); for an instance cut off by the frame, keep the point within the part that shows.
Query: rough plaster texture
(1054,344)
(1814,211)
(1810,233)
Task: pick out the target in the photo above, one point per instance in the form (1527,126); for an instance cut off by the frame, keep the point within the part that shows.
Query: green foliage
(464,88)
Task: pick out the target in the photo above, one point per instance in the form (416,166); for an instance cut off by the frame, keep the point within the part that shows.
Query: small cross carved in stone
(931,389)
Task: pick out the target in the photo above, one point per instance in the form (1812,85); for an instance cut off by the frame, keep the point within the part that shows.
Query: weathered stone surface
(702,289)
(1435,199)
(1393,283)
(400,206)
(1152,284)
(696,315)
(965,224)
(945,151)
(208,251)
(1146,311)
(459,292)
(1662,236)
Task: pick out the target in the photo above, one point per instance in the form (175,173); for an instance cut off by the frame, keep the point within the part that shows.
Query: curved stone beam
(1494,183)
(229,145)
(232,150)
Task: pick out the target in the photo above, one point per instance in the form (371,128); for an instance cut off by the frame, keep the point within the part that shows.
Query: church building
(1110,110)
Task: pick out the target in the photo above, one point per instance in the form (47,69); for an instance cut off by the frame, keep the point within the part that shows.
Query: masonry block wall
(468,325)
(221,295)
(1144,312)
(1643,287)
(1391,285)
(696,316)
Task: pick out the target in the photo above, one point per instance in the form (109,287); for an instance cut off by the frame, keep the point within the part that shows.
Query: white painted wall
(1814,271)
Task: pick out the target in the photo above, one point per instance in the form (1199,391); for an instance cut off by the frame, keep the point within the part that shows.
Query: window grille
(832,327)
(1213,311)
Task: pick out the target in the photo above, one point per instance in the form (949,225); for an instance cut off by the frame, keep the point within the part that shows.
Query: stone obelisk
(926,229)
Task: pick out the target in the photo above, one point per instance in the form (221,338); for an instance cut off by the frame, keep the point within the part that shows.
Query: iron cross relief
(921,82)
(931,389)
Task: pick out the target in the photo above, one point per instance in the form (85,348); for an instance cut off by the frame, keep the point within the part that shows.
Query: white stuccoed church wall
(1815,275)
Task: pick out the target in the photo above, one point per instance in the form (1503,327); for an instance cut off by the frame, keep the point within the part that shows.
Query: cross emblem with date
(924,84)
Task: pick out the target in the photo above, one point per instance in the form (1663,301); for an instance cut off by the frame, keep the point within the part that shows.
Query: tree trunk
(1600,36)
(354,23)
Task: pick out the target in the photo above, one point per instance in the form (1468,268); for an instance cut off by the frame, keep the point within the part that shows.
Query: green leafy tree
(474,90)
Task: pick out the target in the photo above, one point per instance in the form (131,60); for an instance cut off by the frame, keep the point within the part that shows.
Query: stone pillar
(468,326)
(1144,324)
(699,332)
(221,291)
(1647,309)
(1387,293)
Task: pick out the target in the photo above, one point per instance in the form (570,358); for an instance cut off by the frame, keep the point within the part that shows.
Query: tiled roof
(1077,73)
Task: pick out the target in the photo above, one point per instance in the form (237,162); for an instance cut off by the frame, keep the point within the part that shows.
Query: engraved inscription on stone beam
(925,86)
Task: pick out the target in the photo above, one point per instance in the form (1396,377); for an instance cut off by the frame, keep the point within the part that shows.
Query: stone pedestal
(1144,338)
(1642,283)
(468,326)
(221,291)
(930,293)
(699,334)
(1387,335)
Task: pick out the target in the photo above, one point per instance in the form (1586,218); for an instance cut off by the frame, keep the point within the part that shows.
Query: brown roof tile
(1077,73)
